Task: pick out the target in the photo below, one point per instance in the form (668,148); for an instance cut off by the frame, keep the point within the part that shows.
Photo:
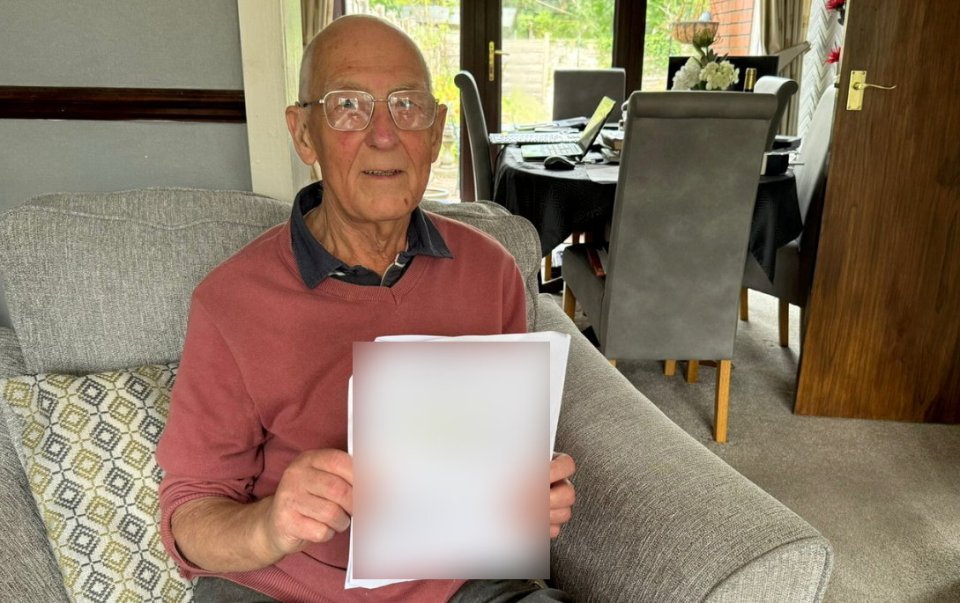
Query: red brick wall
(736,20)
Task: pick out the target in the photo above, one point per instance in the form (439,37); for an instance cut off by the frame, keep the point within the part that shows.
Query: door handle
(492,53)
(858,83)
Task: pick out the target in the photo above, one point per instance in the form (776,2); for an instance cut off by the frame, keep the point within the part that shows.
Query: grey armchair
(576,92)
(478,134)
(795,261)
(681,218)
(101,281)
(784,89)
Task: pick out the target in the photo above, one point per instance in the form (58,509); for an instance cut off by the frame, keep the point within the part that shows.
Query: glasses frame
(374,100)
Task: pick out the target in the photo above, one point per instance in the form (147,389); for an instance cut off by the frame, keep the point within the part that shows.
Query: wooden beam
(112,104)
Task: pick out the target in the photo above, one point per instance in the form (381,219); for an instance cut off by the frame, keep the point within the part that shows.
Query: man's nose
(382,131)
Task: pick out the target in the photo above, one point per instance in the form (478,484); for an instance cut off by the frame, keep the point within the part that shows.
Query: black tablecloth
(560,203)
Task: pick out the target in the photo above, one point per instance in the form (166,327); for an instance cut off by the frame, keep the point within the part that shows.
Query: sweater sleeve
(514,301)
(211,445)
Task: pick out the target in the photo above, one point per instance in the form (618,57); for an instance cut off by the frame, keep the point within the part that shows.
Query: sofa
(98,287)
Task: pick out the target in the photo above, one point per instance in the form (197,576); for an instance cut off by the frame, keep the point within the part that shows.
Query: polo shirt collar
(316,264)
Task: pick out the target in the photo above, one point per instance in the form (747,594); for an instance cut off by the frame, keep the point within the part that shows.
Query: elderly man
(256,499)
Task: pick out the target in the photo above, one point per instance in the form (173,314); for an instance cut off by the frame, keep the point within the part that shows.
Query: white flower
(719,76)
(688,76)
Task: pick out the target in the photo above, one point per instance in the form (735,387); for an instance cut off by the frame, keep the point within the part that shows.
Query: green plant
(659,44)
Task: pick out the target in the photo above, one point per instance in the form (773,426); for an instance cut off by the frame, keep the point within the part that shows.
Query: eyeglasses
(352,110)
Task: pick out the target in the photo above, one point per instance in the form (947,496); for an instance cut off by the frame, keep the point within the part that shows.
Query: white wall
(133,43)
(119,43)
(138,43)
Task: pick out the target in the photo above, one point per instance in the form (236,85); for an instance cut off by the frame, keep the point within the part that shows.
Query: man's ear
(437,132)
(297,126)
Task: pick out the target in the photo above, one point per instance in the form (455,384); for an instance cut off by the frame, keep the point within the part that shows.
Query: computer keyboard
(522,136)
(566,149)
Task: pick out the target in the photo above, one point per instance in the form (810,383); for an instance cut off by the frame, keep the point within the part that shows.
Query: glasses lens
(412,109)
(348,109)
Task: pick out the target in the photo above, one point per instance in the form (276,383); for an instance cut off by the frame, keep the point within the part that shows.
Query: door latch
(858,83)
(492,53)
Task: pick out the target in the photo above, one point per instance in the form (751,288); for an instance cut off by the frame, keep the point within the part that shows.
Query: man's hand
(313,501)
(562,495)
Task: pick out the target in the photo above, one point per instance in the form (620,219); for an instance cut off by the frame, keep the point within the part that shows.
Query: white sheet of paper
(603,173)
(478,397)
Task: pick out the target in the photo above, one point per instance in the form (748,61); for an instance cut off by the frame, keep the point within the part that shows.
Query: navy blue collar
(316,263)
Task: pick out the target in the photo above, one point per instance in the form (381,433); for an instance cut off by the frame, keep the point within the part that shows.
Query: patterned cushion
(88,450)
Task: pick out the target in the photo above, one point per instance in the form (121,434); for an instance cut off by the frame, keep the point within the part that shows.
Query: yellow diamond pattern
(59,415)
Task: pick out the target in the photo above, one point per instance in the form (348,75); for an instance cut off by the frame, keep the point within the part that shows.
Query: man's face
(379,173)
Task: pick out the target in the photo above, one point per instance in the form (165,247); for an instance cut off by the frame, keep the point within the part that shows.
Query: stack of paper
(451,439)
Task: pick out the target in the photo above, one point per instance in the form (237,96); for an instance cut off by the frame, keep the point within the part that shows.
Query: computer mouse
(558,162)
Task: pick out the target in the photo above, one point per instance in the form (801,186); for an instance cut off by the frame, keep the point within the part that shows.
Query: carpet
(886,494)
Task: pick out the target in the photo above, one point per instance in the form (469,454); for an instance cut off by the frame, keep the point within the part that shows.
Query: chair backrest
(576,92)
(478,134)
(102,281)
(764,64)
(689,173)
(811,182)
(783,88)
(789,55)
(813,150)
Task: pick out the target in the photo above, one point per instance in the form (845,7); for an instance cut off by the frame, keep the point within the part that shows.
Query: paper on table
(558,352)
(603,173)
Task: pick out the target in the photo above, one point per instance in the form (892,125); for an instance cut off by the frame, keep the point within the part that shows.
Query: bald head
(359,31)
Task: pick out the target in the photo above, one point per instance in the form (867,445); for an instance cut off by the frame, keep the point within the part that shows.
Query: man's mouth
(381,172)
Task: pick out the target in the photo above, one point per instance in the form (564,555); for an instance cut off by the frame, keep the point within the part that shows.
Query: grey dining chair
(478,134)
(576,92)
(689,172)
(784,89)
(795,261)
(480,145)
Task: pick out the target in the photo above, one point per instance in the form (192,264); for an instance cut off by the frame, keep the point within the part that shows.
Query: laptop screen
(593,127)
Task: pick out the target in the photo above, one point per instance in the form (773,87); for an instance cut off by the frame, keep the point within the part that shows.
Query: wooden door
(883,338)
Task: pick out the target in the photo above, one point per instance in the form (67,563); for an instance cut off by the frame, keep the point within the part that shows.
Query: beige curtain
(317,14)
(782,27)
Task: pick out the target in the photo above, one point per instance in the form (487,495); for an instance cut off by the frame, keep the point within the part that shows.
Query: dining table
(560,203)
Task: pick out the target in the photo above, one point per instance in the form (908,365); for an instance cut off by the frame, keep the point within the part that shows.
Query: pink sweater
(264,372)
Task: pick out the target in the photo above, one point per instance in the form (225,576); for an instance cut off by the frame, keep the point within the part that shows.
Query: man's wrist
(222,535)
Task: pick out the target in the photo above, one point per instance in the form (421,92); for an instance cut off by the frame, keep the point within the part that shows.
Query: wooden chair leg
(693,371)
(548,267)
(722,402)
(569,301)
(669,367)
(744,310)
(783,313)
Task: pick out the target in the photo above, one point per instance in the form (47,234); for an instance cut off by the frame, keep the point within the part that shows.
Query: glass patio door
(435,27)
(512,48)
(539,37)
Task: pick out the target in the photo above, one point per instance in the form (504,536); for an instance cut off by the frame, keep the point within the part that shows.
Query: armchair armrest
(11,358)
(659,517)
(28,571)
